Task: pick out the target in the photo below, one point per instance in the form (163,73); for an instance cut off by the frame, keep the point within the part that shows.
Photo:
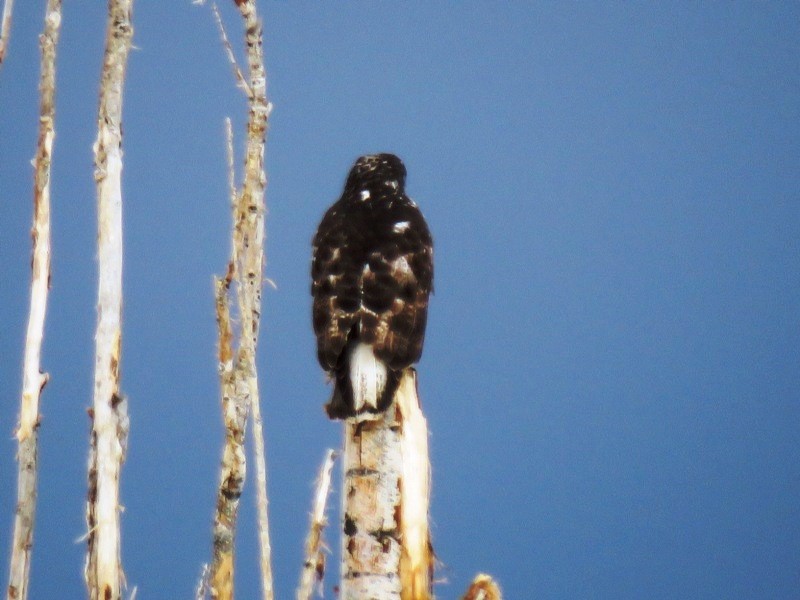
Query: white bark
(104,575)
(33,380)
(371,500)
(314,565)
(238,366)
(251,268)
(233,471)
(262,502)
(416,562)
(386,544)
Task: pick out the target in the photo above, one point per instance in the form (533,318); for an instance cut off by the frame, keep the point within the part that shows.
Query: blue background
(611,366)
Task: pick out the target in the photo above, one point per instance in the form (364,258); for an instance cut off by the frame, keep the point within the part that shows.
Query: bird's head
(377,171)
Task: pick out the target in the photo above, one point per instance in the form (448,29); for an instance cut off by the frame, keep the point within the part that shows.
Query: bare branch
(219,575)
(262,501)
(5,28)
(201,591)
(245,272)
(231,168)
(33,379)
(483,588)
(103,572)
(251,226)
(237,72)
(314,565)
(234,410)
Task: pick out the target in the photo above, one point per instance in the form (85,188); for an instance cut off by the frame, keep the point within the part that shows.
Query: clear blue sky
(611,368)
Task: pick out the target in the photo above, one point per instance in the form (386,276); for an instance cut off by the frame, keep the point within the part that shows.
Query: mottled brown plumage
(372,273)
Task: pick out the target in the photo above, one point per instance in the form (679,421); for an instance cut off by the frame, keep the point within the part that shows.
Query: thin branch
(5,28)
(262,501)
(252,259)
(201,591)
(232,192)
(234,410)
(238,366)
(314,565)
(237,72)
(103,572)
(33,379)
(219,574)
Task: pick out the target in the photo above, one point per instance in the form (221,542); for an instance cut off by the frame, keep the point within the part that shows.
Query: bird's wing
(335,289)
(396,284)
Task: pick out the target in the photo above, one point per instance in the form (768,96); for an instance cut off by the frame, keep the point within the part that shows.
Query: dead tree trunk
(103,573)
(34,380)
(238,373)
(386,549)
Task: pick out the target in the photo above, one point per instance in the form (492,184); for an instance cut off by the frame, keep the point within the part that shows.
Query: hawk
(372,273)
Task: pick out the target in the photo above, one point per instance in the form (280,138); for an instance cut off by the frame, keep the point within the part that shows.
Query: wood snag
(103,572)
(33,380)
(237,346)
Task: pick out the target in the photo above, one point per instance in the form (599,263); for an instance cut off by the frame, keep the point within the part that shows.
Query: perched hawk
(372,273)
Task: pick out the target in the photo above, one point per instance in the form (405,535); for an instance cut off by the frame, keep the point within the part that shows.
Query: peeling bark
(34,380)
(233,470)
(238,365)
(314,565)
(416,560)
(252,215)
(103,572)
(386,548)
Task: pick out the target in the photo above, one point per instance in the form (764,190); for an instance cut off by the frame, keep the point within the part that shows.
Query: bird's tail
(364,385)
